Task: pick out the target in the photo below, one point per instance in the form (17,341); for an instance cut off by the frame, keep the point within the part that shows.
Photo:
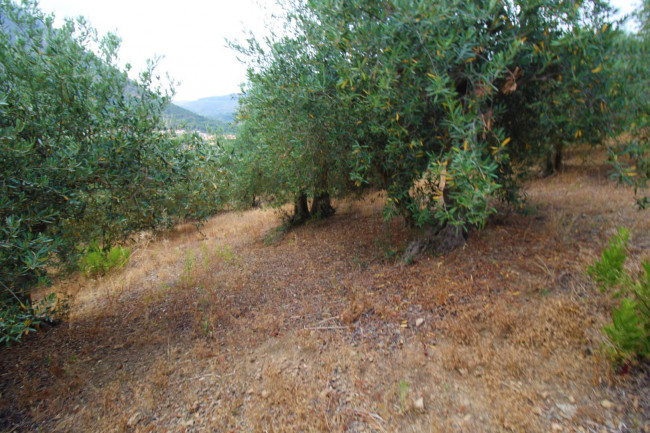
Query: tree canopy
(85,155)
(445,105)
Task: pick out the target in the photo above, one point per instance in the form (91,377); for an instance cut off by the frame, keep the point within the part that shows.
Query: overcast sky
(190,34)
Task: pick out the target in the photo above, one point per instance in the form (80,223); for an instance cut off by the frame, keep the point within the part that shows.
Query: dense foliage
(630,154)
(84,153)
(445,105)
(295,131)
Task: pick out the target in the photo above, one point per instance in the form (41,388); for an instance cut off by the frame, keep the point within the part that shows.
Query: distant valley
(211,114)
(214,107)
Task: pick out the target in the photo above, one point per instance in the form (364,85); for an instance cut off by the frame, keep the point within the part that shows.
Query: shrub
(97,262)
(18,319)
(629,332)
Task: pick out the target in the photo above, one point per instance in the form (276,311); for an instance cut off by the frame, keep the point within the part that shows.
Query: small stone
(467,418)
(419,322)
(250,391)
(556,427)
(418,403)
(567,410)
(571,399)
(607,404)
(265,394)
(537,411)
(133,420)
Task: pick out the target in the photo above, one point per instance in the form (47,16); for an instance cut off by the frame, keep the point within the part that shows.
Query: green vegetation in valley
(179,118)
(213,107)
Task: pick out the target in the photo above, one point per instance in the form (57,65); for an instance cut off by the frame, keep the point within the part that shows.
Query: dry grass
(317,329)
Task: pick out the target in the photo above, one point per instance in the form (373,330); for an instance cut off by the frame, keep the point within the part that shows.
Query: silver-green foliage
(85,155)
(630,156)
(444,104)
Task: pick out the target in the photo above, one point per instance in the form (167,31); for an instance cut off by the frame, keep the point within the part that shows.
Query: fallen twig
(325,320)
(325,327)
(200,378)
(373,416)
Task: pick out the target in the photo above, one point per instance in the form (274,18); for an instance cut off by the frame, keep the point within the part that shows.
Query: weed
(187,278)
(206,326)
(275,235)
(206,256)
(402,393)
(226,254)
(98,262)
(629,332)
(384,244)
(361,264)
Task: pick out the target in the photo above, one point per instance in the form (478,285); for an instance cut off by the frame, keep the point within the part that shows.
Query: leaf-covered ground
(322,329)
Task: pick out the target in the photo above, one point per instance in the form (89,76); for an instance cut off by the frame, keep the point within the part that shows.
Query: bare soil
(323,329)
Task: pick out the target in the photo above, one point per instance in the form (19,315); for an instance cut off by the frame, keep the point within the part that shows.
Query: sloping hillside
(320,329)
(215,107)
(180,118)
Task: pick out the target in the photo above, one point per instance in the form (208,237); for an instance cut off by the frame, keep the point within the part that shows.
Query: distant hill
(179,118)
(215,107)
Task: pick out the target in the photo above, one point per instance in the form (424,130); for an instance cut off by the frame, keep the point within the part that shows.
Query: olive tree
(295,134)
(445,104)
(85,156)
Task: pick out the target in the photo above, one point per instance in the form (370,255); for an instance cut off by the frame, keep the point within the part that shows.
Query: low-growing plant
(97,262)
(402,392)
(188,277)
(18,319)
(629,332)
(226,254)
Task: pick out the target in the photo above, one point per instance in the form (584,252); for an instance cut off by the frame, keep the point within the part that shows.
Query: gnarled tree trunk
(554,160)
(321,206)
(300,210)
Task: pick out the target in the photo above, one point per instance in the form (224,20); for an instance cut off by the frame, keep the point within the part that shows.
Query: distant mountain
(215,107)
(179,118)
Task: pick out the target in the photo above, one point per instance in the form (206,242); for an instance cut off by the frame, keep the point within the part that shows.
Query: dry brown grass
(316,329)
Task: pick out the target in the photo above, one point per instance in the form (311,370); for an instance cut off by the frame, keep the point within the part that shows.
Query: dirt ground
(321,329)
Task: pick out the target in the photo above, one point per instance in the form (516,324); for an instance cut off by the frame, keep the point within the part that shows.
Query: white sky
(190,34)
